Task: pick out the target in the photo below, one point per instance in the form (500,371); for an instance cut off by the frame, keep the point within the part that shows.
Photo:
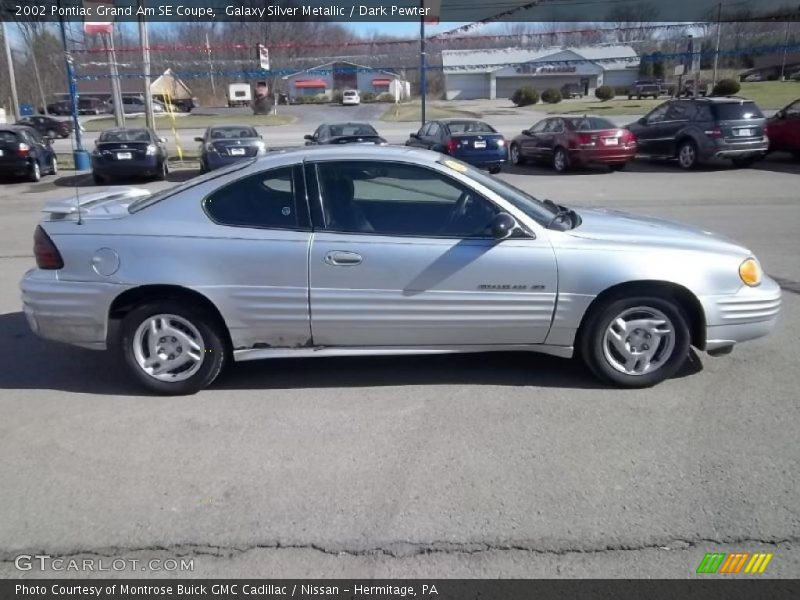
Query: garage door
(467,86)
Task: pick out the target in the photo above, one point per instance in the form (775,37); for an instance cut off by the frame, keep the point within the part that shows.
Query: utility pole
(116,90)
(211,70)
(11,77)
(719,34)
(785,51)
(144,40)
(80,156)
(423,83)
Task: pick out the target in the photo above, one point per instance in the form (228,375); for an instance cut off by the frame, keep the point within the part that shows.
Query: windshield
(352,129)
(146,201)
(737,111)
(125,135)
(470,127)
(233,132)
(535,209)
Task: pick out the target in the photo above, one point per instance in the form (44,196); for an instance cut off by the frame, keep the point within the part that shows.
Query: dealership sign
(532,69)
(99,26)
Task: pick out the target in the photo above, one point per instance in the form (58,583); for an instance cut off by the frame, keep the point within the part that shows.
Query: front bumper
(749,314)
(68,311)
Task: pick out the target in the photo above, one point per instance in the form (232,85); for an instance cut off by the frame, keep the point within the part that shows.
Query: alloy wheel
(639,340)
(168,348)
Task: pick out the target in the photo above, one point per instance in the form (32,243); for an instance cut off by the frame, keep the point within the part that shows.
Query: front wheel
(635,342)
(170,348)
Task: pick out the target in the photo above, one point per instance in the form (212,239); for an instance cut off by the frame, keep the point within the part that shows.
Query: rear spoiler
(68,206)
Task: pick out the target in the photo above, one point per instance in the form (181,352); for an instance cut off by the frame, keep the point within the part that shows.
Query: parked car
(90,106)
(59,108)
(48,126)
(755,77)
(131,105)
(24,152)
(565,142)
(122,153)
(351,98)
(698,129)
(475,142)
(783,130)
(225,144)
(179,104)
(344,133)
(645,88)
(572,90)
(359,250)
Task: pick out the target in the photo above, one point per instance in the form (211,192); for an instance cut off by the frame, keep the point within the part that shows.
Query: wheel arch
(663,289)
(136,296)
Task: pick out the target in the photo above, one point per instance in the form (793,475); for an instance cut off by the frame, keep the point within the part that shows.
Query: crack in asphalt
(402,549)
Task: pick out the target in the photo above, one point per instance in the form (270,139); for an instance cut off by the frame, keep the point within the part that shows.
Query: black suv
(645,88)
(697,129)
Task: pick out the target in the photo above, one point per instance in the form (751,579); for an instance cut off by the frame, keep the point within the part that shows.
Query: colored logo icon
(733,563)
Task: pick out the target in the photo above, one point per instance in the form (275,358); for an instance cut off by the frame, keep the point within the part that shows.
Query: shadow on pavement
(32,363)
(85,179)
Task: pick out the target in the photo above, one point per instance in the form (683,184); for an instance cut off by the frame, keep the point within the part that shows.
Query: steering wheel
(458,212)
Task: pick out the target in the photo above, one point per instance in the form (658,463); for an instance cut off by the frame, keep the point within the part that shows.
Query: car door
(40,151)
(677,118)
(401,257)
(784,132)
(549,138)
(433,137)
(529,144)
(416,139)
(649,131)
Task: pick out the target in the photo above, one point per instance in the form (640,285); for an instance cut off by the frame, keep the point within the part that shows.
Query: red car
(783,130)
(566,142)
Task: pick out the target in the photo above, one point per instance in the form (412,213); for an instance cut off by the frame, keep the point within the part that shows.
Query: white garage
(497,73)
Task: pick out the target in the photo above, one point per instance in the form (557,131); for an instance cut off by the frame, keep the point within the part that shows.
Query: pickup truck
(645,88)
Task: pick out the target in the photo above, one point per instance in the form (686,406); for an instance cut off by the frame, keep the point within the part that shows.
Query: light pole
(423,83)
(80,156)
(10,61)
(716,51)
(144,40)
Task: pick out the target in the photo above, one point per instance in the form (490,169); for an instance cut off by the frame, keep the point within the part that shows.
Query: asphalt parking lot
(462,466)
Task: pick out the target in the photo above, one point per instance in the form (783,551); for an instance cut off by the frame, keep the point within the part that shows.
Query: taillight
(23,150)
(47,255)
(585,139)
(714,134)
(628,137)
(452,146)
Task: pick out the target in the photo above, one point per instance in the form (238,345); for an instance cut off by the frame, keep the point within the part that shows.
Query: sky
(404,30)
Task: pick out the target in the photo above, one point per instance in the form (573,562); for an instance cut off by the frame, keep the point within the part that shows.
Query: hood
(110,204)
(618,226)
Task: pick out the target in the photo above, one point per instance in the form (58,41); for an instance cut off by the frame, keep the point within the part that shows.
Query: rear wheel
(54,166)
(635,342)
(560,160)
(35,172)
(171,348)
(494,170)
(98,179)
(687,155)
(163,171)
(516,156)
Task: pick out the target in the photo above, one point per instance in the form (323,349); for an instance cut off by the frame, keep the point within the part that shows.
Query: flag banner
(99,17)
(473,12)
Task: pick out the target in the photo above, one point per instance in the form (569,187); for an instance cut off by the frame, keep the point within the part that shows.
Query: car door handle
(338,258)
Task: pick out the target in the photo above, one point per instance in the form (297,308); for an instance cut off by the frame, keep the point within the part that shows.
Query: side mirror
(526,132)
(780,115)
(502,226)
(308,137)
(198,139)
(414,136)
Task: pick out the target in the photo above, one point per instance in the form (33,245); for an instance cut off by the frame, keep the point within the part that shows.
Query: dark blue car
(470,140)
(223,145)
(24,152)
(123,153)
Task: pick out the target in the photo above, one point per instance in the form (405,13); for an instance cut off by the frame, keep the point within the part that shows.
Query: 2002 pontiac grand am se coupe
(379,250)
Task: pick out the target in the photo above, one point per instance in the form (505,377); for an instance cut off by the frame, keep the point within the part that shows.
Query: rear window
(737,111)
(218,133)
(8,137)
(350,93)
(354,129)
(590,124)
(470,127)
(126,135)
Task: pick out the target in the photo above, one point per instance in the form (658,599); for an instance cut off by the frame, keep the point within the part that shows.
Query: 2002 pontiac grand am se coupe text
(379,250)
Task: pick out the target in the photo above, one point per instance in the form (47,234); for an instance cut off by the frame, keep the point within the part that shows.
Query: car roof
(459,120)
(716,99)
(231,126)
(355,152)
(120,129)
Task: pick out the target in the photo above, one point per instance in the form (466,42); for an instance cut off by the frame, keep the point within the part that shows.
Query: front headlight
(750,272)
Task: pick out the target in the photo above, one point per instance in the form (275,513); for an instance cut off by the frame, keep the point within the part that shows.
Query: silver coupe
(350,251)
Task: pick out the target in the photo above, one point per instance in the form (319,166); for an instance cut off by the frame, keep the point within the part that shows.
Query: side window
(703,113)
(556,126)
(386,198)
(434,130)
(658,114)
(425,129)
(539,127)
(266,200)
(679,111)
(793,110)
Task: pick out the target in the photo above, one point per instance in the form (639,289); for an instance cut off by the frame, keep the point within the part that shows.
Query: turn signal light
(750,272)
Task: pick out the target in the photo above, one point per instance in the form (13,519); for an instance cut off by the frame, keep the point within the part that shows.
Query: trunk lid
(474,144)
(739,121)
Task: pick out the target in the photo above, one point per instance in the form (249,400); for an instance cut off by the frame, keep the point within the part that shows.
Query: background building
(473,74)
(337,75)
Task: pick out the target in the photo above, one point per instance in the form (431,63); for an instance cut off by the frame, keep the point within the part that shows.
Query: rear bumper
(749,314)
(489,159)
(126,168)
(604,156)
(216,161)
(14,164)
(723,149)
(66,311)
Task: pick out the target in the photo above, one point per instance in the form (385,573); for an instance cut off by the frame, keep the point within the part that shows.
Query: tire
(560,160)
(178,324)
(98,179)
(743,163)
(516,156)
(620,355)
(35,172)
(54,166)
(494,170)
(687,155)
(618,166)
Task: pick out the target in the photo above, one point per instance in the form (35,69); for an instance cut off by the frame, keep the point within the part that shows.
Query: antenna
(77,187)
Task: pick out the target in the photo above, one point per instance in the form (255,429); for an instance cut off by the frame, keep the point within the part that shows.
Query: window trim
(324,226)
(298,180)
